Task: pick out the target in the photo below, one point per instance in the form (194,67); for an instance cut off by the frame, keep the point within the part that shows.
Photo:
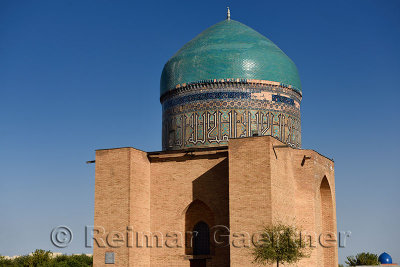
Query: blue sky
(76,76)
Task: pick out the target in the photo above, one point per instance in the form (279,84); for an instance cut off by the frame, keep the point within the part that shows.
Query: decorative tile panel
(208,114)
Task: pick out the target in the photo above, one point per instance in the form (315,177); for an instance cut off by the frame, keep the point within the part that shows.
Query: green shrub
(42,258)
(6,262)
(364,258)
(280,244)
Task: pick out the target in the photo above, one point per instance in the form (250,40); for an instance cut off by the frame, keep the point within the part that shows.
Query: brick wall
(253,182)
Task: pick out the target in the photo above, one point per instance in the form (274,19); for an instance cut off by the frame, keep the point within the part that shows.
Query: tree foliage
(363,258)
(42,258)
(280,243)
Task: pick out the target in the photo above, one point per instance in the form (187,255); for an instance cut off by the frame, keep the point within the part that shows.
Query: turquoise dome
(229,49)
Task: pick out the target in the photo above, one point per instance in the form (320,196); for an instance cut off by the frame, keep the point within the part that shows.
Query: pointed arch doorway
(198,220)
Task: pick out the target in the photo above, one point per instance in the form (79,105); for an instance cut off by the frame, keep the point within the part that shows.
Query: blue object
(385,258)
(229,49)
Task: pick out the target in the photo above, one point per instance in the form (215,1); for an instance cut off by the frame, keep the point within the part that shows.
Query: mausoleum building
(231,163)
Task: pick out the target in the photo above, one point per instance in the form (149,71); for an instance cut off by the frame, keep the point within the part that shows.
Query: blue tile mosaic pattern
(216,127)
(283,99)
(208,115)
(205,96)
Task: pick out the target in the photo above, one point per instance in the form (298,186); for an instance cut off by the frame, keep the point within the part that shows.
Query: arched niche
(200,218)
(327,220)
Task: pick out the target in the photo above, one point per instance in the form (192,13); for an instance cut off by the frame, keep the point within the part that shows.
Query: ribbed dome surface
(229,49)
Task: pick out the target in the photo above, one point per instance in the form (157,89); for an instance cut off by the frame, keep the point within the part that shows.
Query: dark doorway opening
(201,239)
(198,263)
